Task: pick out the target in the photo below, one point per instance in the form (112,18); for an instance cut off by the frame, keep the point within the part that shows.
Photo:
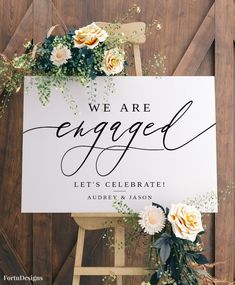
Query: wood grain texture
(119,251)
(10,262)
(66,272)
(63,240)
(42,223)
(224,73)
(42,247)
(56,18)
(42,19)
(180,22)
(106,271)
(12,14)
(23,31)
(17,227)
(79,254)
(198,47)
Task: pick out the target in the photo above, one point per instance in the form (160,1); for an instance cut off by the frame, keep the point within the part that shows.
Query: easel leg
(79,254)
(119,258)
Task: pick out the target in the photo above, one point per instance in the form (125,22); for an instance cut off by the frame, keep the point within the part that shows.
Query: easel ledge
(98,215)
(97,221)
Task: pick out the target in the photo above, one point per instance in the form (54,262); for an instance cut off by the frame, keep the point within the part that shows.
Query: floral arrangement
(175,252)
(83,53)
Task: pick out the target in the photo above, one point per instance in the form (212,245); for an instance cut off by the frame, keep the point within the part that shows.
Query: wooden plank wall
(44,244)
(224,68)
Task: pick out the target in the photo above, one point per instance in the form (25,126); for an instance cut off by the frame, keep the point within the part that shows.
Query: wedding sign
(135,139)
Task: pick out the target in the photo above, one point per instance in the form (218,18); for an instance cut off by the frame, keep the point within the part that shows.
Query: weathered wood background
(197,38)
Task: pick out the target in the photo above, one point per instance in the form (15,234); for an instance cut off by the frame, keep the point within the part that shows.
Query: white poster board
(152,140)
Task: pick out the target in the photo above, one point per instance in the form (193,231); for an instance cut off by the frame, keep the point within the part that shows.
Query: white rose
(113,62)
(60,55)
(186,221)
(89,36)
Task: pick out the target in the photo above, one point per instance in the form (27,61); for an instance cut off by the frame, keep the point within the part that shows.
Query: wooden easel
(135,34)
(96,221)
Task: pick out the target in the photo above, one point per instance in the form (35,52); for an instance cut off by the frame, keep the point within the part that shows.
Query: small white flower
(186,221)
(113,62)
(138,9)
(145,283)
(60,55)
(152,220)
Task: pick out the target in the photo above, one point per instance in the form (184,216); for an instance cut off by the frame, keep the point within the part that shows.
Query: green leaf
(201,259)
(198,258)
(175,268)
(154,279)
(164,238)
(165,252)
(164,244)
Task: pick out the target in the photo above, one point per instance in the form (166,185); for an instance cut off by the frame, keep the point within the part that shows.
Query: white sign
(152,140)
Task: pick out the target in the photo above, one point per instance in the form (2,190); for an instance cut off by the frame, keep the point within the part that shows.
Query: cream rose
(113,61)
(89,36)
(186,221)
(60,55)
